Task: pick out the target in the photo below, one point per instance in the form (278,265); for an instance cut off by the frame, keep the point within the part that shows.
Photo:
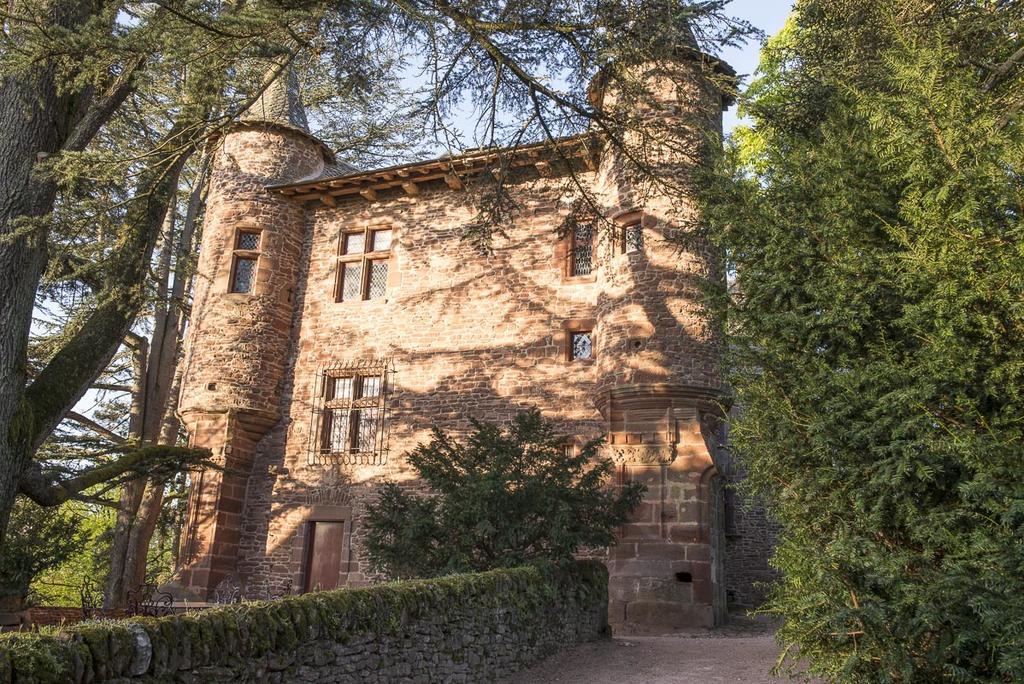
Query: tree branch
(111,388)
(100,112)
(73,369)
(87,422)
(36,484)
(1004,69)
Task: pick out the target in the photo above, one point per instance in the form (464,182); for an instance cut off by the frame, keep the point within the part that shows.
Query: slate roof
(280,103)
(280,106)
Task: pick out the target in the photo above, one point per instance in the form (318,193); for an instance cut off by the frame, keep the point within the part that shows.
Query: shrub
(504,497)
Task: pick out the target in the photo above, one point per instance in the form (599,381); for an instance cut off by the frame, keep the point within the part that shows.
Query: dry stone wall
(464,628)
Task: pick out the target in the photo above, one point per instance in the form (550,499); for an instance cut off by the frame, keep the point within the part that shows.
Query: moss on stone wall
(513,616)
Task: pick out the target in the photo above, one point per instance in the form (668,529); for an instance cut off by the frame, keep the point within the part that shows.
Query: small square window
(581,346)
(633,238)
(243,274)
(341,388)
(351,281)
(381,241)
(354,243)
(250,241)
(370,387)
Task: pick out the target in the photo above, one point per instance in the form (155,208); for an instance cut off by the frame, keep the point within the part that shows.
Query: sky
(767,15)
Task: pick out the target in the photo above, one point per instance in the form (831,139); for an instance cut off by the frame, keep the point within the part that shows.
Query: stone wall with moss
(464,628)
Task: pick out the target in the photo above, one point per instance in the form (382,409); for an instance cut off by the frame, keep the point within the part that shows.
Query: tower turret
(239,338)
(658,361)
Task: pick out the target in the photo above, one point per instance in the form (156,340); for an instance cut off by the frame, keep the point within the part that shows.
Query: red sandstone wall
(239,343)
(469,334)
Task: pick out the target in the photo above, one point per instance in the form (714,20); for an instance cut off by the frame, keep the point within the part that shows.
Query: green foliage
(38,539)
(234,636)
(61,584)
(505,497)
(872,215)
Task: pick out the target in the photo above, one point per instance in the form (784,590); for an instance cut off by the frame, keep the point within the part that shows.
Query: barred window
(248,240)
(363,264)
(378,279)
(244,258)
(350,414)
(351,280)
(244,275)
(354,243)
(381,241)
(581,255)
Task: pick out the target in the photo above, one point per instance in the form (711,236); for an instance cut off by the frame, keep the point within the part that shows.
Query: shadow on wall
(493,383)
(465,377)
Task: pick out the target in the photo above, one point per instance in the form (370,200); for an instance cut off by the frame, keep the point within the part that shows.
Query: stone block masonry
(340,315)
(464,628)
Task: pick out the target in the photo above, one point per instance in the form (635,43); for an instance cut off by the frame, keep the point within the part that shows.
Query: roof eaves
(456,163)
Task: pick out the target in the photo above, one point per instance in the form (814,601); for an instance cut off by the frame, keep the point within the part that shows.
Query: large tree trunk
(141,501)
(30,116)
(38,122)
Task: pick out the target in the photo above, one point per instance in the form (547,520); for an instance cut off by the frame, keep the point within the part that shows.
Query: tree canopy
(872,214)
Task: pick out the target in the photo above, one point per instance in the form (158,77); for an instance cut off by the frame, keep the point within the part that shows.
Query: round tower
(249,259)
(653,327)
(658,369)
(239,337)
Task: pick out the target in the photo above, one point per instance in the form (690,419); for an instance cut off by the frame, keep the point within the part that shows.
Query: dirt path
(741,653)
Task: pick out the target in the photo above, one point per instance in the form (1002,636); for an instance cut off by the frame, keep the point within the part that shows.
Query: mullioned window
(350,414)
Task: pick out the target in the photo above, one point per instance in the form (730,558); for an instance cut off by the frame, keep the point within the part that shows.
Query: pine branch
(37,485)
(91,424)
(1002,71)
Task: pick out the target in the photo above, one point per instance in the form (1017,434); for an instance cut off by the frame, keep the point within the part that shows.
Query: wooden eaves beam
(408,178)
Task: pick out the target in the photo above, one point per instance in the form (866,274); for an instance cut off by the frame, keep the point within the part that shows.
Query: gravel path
(742,652)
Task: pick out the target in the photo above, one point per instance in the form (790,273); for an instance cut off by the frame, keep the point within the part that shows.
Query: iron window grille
(582,251)
(632,237)
(350,423)
(581,346)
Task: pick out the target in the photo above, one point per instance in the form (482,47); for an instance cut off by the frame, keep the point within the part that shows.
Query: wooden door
(323,557)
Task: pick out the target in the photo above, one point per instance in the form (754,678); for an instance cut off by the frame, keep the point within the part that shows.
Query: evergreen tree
(872,214)
(505,497)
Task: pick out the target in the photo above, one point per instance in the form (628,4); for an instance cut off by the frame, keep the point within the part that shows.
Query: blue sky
(767,15)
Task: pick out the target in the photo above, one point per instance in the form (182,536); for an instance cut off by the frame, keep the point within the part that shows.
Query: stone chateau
(339,314)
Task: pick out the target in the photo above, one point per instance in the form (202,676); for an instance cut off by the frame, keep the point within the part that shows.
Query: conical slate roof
(280,103)
(280,106)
